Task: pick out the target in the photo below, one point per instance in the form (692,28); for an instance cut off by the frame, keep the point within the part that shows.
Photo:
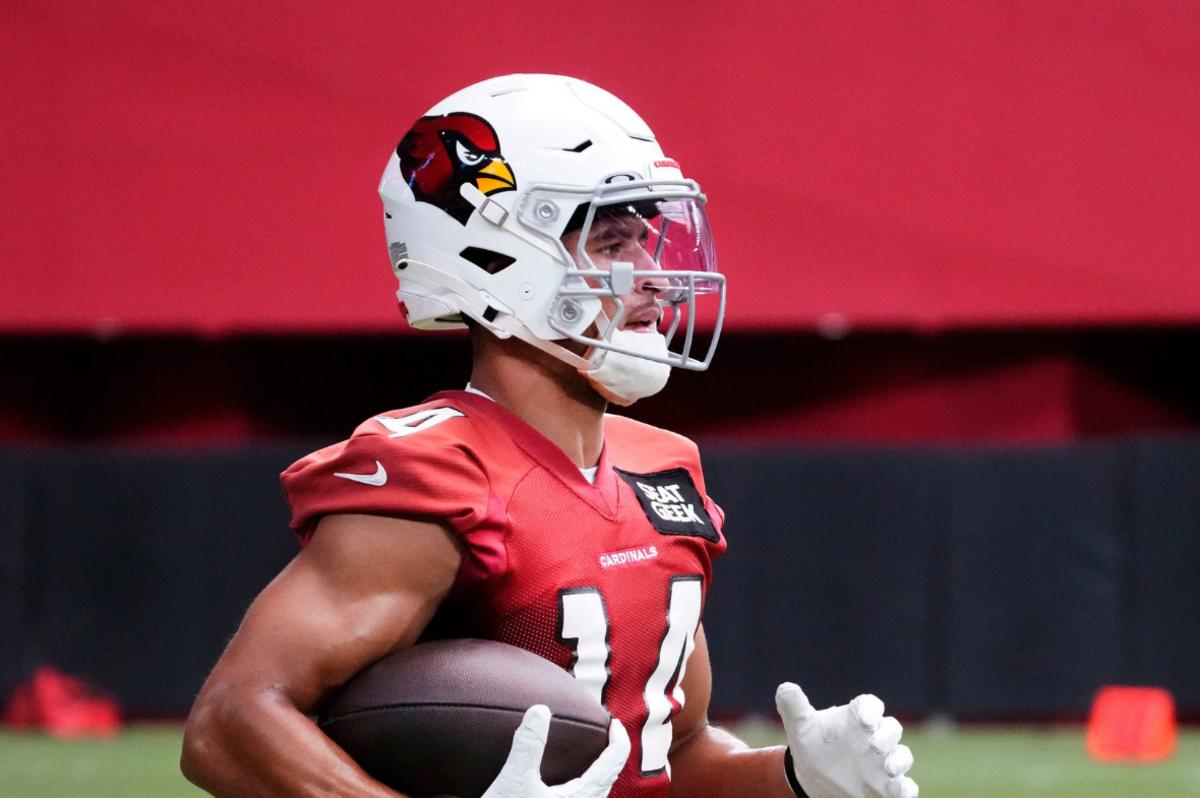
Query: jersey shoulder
(424,461)
(426,426)
(635,445)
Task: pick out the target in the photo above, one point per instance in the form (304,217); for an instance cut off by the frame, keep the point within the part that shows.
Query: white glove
(521,776)
(848,751)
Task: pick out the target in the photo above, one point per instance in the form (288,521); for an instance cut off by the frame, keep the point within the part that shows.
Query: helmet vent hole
(491,313)
(580,147)
(490,261)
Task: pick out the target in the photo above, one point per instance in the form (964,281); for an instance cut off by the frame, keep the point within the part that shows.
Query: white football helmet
(480,191)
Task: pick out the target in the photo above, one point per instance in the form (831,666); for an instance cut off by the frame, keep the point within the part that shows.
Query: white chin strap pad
(624,377)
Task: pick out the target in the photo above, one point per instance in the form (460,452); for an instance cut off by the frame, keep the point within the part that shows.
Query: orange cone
(1131,724)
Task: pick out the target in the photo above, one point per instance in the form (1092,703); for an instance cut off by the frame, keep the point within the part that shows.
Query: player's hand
(848,751)
(521,776)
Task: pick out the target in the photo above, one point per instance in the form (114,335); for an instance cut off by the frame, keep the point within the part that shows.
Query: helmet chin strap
(632,372)
(559,351)
(621,376)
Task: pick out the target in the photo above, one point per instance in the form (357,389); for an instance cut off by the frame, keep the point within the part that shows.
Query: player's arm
(709,762)
(848,751)
(363,586)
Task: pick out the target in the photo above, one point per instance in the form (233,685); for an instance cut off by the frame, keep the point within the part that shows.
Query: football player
(540,212)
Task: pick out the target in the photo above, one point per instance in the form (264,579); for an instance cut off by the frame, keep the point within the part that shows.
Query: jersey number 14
(583,626)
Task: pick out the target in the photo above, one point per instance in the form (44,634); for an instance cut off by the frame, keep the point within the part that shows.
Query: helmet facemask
(635,235)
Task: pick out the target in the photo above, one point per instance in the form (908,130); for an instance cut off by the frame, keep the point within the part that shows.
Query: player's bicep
(363,586)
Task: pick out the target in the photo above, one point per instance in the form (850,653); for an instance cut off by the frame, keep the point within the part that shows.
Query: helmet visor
(668,236)
(633,246)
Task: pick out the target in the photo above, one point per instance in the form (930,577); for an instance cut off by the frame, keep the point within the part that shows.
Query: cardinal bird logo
(441,153)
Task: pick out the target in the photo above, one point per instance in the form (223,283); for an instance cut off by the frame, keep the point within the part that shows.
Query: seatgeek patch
(672,503)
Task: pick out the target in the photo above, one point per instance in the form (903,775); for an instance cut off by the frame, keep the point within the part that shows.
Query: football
(437,719)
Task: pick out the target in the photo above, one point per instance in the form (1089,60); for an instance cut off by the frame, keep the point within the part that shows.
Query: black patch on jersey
(672,503)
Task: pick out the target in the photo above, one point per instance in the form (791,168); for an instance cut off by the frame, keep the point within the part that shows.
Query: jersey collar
(602,495)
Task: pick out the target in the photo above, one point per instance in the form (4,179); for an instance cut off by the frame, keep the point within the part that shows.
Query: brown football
(437,719)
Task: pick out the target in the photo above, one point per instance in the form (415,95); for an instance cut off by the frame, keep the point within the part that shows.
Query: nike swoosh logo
(378,479)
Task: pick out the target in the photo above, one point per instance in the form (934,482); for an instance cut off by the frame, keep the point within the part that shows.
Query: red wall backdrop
(211,167)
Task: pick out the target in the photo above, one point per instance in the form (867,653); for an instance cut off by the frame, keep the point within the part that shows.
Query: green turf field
(1011,763)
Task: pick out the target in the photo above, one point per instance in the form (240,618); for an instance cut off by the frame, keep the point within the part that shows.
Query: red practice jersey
(606,580)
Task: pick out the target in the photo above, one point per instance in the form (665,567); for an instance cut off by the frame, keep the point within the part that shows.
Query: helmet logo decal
(441,153)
